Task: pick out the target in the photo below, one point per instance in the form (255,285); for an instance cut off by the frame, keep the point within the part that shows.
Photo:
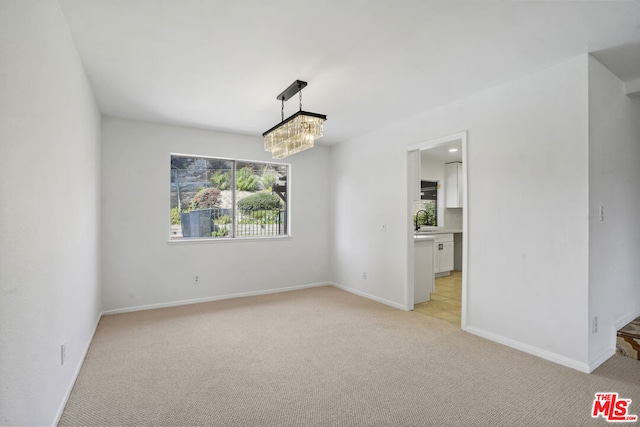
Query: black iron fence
(218,222)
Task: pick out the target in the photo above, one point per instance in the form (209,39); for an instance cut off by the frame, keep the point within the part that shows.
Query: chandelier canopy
(296,133)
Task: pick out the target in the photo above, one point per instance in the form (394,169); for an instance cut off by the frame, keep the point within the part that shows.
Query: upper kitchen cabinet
(453,184)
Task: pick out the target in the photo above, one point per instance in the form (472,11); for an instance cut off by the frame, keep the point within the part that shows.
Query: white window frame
(234,237)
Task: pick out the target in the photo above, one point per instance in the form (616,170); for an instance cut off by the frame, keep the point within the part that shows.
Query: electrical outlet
(364,275)
(594,325)
(601,213)
(63,353)
(196,279)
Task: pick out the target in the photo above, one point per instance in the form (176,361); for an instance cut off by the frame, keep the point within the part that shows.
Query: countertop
(430,231)
(430,236)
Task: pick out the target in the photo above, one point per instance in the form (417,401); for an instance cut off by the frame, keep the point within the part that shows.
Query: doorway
(442,151)
(446,299)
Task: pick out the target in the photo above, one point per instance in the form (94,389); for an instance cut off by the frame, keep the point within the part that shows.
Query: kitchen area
(438,228)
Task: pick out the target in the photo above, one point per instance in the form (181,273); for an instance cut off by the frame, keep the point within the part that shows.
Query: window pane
(201,197)
(261,207)
(425,213)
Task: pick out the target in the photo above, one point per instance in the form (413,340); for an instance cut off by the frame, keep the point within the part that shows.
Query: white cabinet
(453,185)
(443,253)
(423,271)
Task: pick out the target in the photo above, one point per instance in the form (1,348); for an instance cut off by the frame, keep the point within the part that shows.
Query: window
(426,210)
(224,198)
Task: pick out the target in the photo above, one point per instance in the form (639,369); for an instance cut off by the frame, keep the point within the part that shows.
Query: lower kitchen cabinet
(423,271)
(443,253)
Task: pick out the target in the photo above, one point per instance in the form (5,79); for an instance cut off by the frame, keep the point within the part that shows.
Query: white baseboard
(606,355)
(622,322)
(544,354)
(76,373)
(369,296)
(213,298)
(168,304)
(593,365)
(610,352)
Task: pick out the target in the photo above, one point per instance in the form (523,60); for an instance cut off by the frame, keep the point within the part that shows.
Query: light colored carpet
(323,357)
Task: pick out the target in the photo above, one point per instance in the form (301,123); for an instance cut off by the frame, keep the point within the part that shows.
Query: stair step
(628,340)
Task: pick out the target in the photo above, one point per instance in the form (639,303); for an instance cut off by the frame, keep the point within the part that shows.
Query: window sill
(198,241)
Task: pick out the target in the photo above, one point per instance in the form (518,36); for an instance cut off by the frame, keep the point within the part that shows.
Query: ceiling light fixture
(297,132)
(453,150)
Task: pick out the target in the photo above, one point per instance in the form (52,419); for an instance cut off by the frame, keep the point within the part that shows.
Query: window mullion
(233,200)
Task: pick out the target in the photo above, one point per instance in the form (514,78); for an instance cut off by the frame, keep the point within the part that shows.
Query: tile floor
(446,301)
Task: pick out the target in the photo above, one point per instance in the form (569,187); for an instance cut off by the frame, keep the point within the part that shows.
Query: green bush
(220,180)
(175,216)
(224,219)
(221,232)
(264,217)
(428,218)
(432,215)
(246,180)
(260,201)
(205,198)
(268,179)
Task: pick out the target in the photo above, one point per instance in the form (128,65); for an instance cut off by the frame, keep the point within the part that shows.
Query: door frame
(411,172)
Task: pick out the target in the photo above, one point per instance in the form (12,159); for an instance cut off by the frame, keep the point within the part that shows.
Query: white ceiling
(219,64)
(440,153)
(623,60)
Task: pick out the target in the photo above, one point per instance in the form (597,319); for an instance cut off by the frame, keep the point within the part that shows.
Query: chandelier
(297,132)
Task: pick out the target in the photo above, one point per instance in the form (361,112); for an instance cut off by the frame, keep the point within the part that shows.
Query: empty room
(296,213)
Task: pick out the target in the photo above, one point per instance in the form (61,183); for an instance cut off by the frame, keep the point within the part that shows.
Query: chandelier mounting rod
(294,88)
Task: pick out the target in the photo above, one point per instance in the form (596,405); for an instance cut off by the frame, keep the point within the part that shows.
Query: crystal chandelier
(297,132)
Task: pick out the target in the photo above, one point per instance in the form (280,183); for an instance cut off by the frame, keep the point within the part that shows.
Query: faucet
(417,214)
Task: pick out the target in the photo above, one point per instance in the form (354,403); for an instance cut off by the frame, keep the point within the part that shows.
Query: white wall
(528,209)
(49,211)
(369,179)
(614,177)
(141,268)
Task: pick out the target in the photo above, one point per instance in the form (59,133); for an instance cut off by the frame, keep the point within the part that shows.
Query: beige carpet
(323,357)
